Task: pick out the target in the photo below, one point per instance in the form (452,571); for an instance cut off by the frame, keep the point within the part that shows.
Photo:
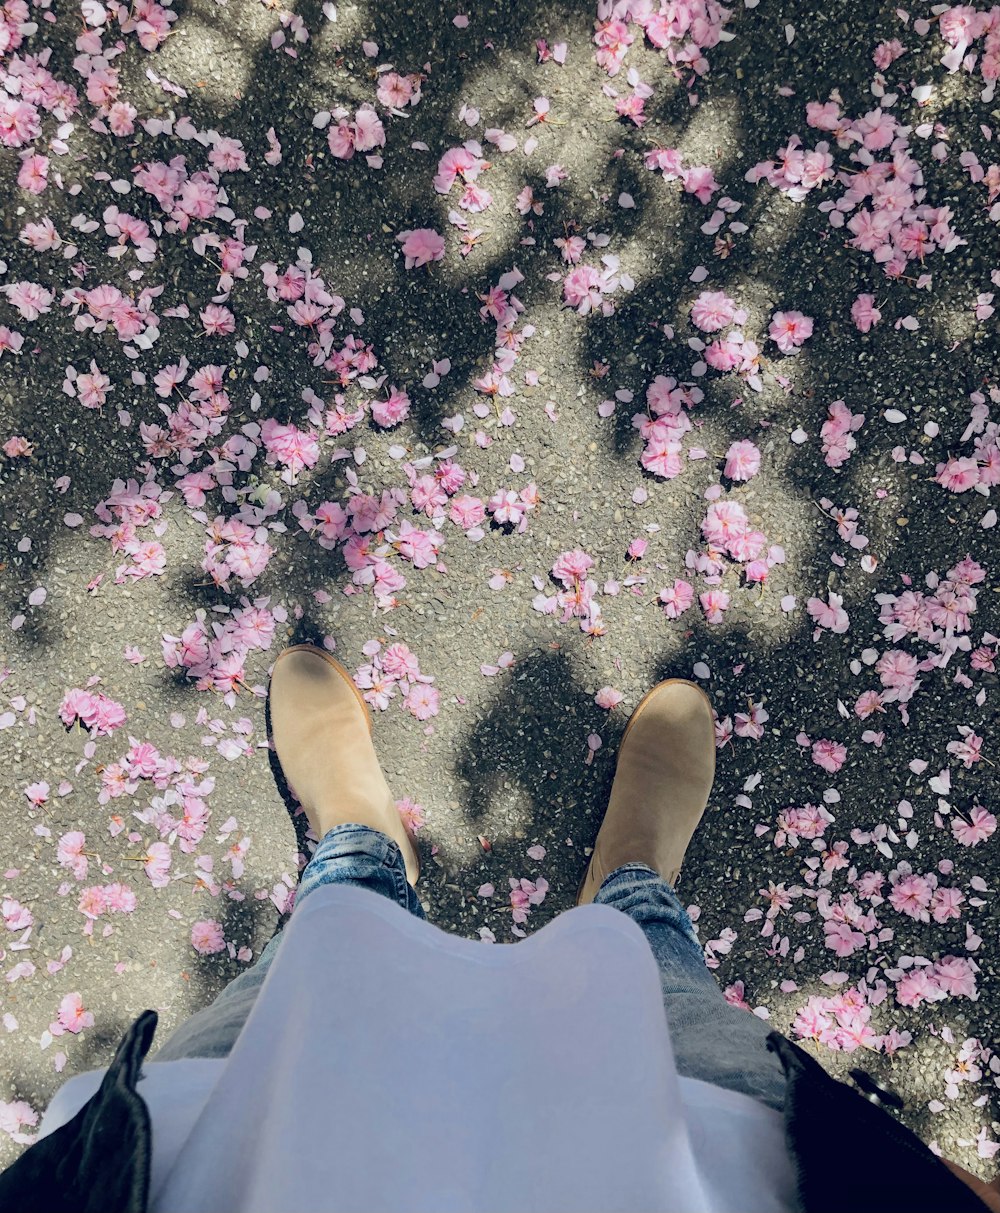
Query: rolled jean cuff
(359,855)
(641,892)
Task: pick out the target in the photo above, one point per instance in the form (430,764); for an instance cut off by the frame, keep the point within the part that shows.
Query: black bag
(99,1161)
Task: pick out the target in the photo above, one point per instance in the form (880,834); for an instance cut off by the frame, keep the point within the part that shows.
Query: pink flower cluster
(969,750)
(183,196)
(180,814)
(232,550)
(17,446)
(633,106)
(524,894)
(796,171)
(961,26)
(714,310)
(798,822)
(16,917)
(728,532)
(846,927)
(41,236)
(749,724)
(676,598)
(414,816)
(73,1017)
(397,667)
(215,656)
(967,1068)
(683,30)
(742,460)
(419,547)
(17,1114)
(363,527)
(70,853)
(980,469)
(828,754)
(664,424)
(421,246)
(393,410)
(199,417)
(940,619)
(30,299)
(10,340)
(396,90)
(20,116)
(789,330)
(886,53)
(697,179)
(919,897)
(149,559)
(363,133)
(949,977)
(608,698)
(217,321)
(884,198)
(37,793)
(133,319)
(864,313)
(576,599)
(934,617)
(837,434)
(207,937)
(464,164)
(128,508)
(311,306)
(292,448)
(843,1022)
(512,509)
(128,230)
(585,288)
(90,388)
(828,616)
(156,863)
(95,710)
(735,352)
(980,826)
(97,899)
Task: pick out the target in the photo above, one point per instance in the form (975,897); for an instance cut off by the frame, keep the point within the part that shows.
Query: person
(372,1061)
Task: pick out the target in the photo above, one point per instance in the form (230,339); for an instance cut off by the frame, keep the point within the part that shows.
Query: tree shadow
(410,317)
(522,736)
(413,316)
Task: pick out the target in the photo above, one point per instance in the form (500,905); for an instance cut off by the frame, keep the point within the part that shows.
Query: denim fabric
(712,1040)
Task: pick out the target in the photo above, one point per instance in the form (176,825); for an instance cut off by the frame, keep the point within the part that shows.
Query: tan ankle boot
(666,765)
(322,734)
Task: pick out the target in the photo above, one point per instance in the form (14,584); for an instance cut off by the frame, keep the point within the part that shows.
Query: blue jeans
(712,1040)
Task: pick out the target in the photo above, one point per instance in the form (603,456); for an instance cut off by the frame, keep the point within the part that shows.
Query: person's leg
(663,779)
(348,854)
(712,1040)
(322,732)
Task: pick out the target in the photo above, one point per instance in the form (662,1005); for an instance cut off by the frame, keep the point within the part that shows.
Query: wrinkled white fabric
(389,1065)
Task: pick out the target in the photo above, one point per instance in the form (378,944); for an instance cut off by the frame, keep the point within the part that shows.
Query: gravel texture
(505,764)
